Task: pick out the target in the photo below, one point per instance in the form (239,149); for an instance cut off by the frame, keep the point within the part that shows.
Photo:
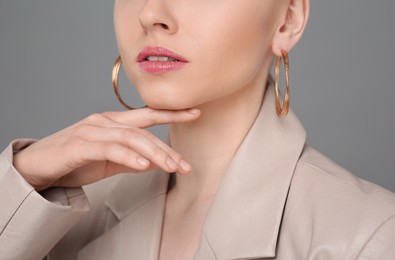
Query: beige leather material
(280,199)
(31,225)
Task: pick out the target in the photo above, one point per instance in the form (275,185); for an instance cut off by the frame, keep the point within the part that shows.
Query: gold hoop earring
(282,111)
(115,72)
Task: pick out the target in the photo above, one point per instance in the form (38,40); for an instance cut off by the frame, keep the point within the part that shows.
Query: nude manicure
(186,167)
(142,161)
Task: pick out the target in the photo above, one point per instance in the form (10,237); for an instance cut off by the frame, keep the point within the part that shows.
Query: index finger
(146,117)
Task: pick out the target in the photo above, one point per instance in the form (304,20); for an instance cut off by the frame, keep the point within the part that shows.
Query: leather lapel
(244,219)
(245,216)
(138,201)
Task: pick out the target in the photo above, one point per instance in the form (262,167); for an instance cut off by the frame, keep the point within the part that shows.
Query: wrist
(19,163)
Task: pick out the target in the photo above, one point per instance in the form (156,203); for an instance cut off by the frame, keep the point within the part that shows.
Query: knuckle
(159,154)
(114,152)
(129,133)
(83,130)
(94,118)
(176,157)
(107,114)
(112,115)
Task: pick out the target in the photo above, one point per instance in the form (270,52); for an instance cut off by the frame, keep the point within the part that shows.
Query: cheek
(127,28)
(236,50)
(128,33)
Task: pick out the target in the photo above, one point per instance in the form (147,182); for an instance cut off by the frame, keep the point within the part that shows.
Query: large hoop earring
(115,72)
(282,111)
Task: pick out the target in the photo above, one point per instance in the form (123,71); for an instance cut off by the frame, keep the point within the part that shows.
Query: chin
(168,98)
(167,104)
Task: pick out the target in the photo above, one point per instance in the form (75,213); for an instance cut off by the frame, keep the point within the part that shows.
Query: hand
(100,146)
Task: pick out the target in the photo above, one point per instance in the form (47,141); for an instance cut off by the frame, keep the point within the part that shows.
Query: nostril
(164,26)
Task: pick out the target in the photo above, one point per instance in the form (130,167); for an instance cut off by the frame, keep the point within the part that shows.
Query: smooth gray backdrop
(56,59)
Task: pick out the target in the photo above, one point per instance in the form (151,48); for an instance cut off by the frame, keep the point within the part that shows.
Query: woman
(245,185)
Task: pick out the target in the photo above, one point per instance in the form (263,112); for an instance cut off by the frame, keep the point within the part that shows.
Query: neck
(210,142)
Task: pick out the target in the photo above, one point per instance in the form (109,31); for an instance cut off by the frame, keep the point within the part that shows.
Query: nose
(157,16)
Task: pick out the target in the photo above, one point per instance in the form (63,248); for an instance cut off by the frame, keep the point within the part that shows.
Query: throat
(210,143)
(182,229)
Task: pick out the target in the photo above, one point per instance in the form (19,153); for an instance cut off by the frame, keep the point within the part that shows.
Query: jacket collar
(245,216)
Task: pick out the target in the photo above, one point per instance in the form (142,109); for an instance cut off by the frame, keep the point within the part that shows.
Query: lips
(158,60)
(158,52)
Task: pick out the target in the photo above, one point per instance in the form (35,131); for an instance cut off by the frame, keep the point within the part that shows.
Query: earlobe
(291,27)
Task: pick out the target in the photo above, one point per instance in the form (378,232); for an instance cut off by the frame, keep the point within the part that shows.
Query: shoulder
(347,215)
(315,168)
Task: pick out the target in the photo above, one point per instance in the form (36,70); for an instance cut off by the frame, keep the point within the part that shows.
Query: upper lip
(158,51)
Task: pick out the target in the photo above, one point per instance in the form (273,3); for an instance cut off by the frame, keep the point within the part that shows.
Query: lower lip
(158,67)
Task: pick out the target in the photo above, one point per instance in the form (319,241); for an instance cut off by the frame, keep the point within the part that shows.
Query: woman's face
(226,45)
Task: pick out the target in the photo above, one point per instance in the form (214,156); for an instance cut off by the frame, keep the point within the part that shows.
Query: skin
(210,104)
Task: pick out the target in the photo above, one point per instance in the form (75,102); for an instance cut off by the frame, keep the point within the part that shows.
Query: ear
(291,26)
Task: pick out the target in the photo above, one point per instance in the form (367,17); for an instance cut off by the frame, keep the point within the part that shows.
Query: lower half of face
(226,45)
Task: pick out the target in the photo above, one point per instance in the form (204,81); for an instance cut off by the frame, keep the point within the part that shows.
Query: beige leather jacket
(280,199)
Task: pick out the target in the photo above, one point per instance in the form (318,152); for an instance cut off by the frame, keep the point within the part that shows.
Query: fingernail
(193,111)
(171,163)
(186,167)
(142,161)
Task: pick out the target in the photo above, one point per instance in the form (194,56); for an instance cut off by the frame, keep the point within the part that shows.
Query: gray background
(56,59)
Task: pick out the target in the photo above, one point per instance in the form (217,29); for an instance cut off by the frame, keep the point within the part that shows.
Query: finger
(133,139)
(101,120)
(113,152)
(146,117)
(136,138)
(185,167)
(121,134)
(121,155)
(110,159)
(149,148)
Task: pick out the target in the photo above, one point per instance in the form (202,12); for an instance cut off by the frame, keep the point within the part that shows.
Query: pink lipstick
(159,60)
